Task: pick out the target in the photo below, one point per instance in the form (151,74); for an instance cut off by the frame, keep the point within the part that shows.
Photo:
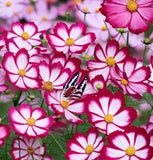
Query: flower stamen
(48,86)
(31,121)
(124,82)
(69,41)
(132,5)
(25,35)
(110,61)
(65,104)
(89,149)
(30,150)
(130,151)
(109,118)
(22,72)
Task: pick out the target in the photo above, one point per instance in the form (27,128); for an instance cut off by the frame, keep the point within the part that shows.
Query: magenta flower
(28,32)
(3,86)
(27,149)
(4,133)
(134,14)
(19,72)
(131,79)
(65,107)
(85,147)
(73,39)
(133,144)
(55,74)
(107,113)
(29,122)
(105,61)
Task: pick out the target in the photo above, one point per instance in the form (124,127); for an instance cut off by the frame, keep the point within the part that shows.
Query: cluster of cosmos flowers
(85,67)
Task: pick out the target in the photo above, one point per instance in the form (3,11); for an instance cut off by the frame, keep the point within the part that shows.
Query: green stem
(84,19)
(127,40)
(144,52)
(19,148)
(110,38)
(6,149)
(57,142)
(16,100)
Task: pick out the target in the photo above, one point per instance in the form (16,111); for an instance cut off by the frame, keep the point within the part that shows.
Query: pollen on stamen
(31,121)
(65,104)
(132,5)
(85,9)
(130,151)
(89,149)
(30,150)
(25,35)
(30,9)
(22,72)
(109,118)
(124,82)
(44,18)
(8,3)
(48,86)
(104,28)
(69,41)
(110,61)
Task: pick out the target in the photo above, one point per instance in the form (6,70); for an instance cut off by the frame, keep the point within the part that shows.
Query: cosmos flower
(72,40)
(29,122)
(85,147)
(131,79)
(134,14)
(107,113)
(106,60)
(27,149)
(19,72)
(133,143)
(28,32)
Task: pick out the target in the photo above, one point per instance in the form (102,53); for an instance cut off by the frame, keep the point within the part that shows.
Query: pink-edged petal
(96,65)
(76,30)
(125,118)
(76,147)
(86,39)
(61,30)
(40,132)
(15,116)
(31,83)
(122,54)
(25,110)
(9,64)
(112,48)
(144,153)
(38,113)
(81,139)
(74,156)
(72,118)
(30,28)
(32,72)
(58,108)
(44,71)
(77,107)
(137,24)
(54,40)
(15,153)
(45,122)
(116,103)
(99,53)
(75,48)
(4,131)
(111,127)
(19,128)
(141,74)
(22,59)
(129,66)
(17,28)
(92,136)
(12,78)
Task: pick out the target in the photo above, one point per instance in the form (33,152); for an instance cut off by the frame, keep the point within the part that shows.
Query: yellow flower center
(85,9)
(25,35)
(48,86)
(132,5)
(30,150)
(8,3)
(22,72)
(130,151)
(69,41)
(124,81)
(89,149)
(86,56)
(97,10)
(77,1)
(30,9)
(99,86)
(104,28)
(31,121)
(44,18)
(65,104)
(49,1)
(110,61)
(109,118)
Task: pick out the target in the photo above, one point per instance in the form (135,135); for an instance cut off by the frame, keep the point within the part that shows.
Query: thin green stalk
(127,40)
(6,149)
(110,38)
(57,142)
(16,99)
(19,148)
(144,52)
(84,19)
